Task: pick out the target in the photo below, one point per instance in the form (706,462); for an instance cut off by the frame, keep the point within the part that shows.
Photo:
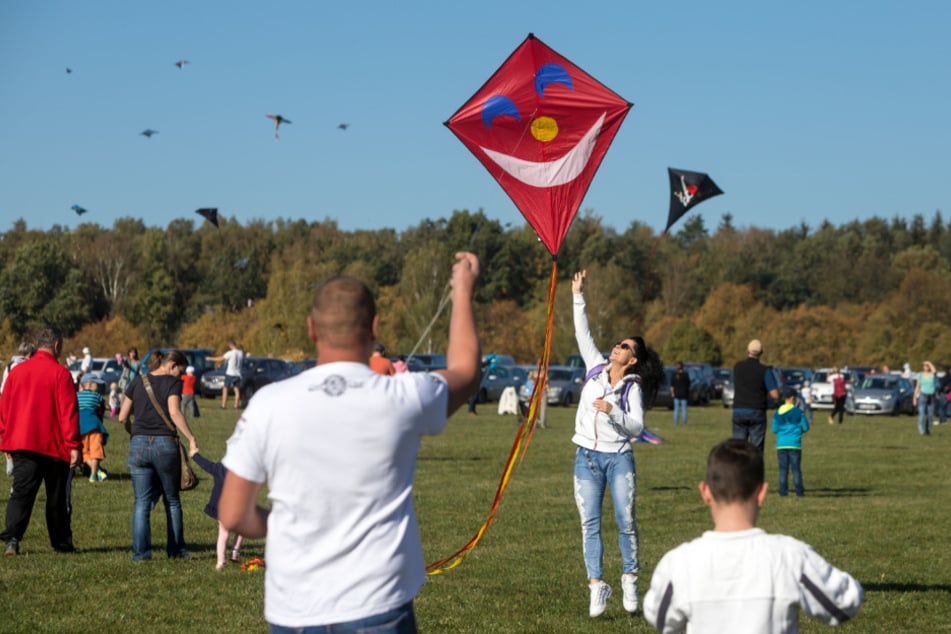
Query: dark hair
(158,358)
(135,351)
(649,369)
(47,337)
(734,470)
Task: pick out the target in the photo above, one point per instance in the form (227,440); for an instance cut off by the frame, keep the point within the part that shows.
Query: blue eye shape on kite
(497,105)
(551,74)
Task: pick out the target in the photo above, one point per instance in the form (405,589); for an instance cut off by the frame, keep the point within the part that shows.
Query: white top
(86,365)
(234,358)
(593,429)
(337,447)
(747,581)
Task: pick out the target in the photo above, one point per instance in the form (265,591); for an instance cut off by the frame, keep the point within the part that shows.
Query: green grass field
(877,505)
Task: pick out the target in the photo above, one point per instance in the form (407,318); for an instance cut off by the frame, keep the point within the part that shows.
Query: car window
(559,375)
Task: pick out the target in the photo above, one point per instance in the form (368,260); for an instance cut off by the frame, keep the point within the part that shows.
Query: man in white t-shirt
(337,446)
(234,358)
(737,578)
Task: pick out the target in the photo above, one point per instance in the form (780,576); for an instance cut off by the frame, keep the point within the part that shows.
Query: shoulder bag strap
(155,404)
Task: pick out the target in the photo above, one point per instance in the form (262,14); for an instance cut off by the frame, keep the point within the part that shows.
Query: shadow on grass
(906,587)
(450,458)
(671,489)
(827,492)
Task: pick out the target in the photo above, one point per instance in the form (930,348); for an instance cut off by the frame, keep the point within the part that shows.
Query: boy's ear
(705,493)
(311,330)
(761,494)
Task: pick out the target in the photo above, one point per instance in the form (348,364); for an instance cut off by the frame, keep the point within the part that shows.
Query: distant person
(789,424)
(400,364)
(378,361)
(942,396)
(754,384)
(94,433)
(131,366)
(680,392)
(924,397)
(611,407)
(115,399)
(218,471)
(189,403)
(839,393)
(86,366)
(806,400)
(234,359)
(488,363)
(39,429)
(737,578)
(336,446)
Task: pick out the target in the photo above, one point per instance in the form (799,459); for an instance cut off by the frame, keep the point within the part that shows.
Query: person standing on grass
(610,412)
(39,428)
(337,447)
(737,578)
(754,384)
(234,359)
(839,393)
(92,408)
(189,380)
(924,397)
(789,424)
(218,471)
(680,392)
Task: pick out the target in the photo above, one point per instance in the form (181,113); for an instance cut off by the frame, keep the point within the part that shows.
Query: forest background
(869,292)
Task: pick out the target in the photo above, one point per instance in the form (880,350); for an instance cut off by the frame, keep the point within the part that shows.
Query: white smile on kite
(551,173)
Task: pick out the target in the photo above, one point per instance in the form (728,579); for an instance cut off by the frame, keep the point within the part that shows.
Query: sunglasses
(623,345)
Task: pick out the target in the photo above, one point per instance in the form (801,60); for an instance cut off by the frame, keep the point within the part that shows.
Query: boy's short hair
(734,471)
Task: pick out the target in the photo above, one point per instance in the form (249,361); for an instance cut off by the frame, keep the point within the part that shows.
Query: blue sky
(801,111)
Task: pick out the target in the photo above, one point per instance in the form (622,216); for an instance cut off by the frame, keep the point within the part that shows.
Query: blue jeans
(401,620)
(680,405)
(925,413)
(593,471)
(790,458)
(750,425)
(155,468)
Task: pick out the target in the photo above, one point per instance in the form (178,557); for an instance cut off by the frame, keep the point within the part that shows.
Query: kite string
(647,282)
(519,446)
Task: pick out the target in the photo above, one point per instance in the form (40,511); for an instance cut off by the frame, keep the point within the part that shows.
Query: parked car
(729,391)
(107,369)
(564,385)
(883,394)
(499,378)
(822,389)
(721,376)
(256,372)
(703,375)
(426,362)
(796,377)
(575,360)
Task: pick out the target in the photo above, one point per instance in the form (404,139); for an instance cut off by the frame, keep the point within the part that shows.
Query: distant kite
(278,120)
(343,126)
(79,210)
(181,63)
(69,70)
(210,214)
(148,132)
(688,189)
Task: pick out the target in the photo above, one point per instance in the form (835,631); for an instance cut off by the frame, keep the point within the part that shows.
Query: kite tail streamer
(523,438)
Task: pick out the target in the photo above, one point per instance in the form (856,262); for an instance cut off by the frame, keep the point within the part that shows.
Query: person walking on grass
(737,578)
(337,447)
(39,429)
(218,471)
(840,391)
(234,359)
(610,413)
(94,433)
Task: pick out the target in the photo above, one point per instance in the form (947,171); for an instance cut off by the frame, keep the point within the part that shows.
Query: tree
(687,342)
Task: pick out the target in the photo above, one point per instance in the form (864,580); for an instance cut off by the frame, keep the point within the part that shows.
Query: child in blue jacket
(789,424)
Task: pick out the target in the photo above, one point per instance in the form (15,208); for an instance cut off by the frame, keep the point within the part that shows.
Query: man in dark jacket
(680,392)
(754,385)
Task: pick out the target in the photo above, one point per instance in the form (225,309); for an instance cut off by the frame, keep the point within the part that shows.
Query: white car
(822,389)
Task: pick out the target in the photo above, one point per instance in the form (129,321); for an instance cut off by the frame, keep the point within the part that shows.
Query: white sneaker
(600,592)
(631,599)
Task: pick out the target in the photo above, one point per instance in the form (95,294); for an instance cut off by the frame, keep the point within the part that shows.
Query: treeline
(868,292)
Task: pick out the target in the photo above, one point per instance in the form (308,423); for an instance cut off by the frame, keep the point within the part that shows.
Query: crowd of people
(337,446)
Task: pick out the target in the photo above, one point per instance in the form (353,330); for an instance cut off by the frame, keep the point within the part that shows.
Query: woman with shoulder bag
(154,400)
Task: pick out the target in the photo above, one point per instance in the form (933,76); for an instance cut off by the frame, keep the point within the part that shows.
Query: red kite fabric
(541,126)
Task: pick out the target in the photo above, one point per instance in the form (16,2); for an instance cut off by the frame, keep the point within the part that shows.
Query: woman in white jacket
(610,413)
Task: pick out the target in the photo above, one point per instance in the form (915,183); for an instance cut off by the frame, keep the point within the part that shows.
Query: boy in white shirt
(737,578)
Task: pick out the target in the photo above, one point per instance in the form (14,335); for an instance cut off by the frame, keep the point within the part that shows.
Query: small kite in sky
(343,126)
(210,214)
(278,120)
(688,189)
(181,63)
(79,210)
(148,132)
(68,70)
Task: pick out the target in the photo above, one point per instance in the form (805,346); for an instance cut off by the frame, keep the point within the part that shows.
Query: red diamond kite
(541,126)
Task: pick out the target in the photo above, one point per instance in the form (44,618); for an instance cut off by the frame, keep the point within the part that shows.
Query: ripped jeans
(593,471)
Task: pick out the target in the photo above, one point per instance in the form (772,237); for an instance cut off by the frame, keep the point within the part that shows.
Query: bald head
(343,312)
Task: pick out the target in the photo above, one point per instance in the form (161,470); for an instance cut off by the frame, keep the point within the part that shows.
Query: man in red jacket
(39,427)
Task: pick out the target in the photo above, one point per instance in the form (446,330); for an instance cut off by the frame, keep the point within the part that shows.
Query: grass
(877,505)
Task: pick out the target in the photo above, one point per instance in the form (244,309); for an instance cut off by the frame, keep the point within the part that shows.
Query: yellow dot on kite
(544,128)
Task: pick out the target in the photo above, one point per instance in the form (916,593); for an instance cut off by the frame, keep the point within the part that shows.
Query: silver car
(564,385)
(883,394)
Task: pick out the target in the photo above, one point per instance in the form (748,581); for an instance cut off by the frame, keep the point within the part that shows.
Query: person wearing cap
(754,385)
(789,424)
(379,363)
